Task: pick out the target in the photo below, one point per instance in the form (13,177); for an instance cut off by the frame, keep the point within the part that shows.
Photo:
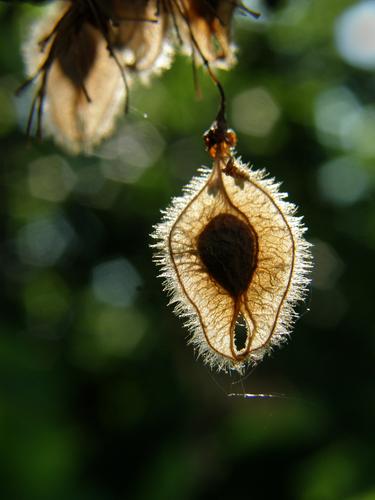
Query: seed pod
(235,262)
(207,25)
(141,33)
(80,84)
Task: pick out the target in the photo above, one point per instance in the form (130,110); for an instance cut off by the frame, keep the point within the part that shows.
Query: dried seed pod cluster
(84,54)
(234,260)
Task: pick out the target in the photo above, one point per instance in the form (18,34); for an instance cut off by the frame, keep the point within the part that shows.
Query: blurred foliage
(100,398)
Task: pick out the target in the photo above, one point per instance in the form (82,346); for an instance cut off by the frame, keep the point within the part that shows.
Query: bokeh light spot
(115,282)
(117,331)
(50,178)
(342,181)
(355,35)
(43,241)
(132,151)
(362,132)
(335,111)
(255,112)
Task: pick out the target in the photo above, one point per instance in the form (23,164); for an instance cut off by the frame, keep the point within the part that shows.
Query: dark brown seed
(228,249)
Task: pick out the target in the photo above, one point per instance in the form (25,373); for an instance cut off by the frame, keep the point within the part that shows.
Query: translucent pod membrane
(235,262)
(79,87)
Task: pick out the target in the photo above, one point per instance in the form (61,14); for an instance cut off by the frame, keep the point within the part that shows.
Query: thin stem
(221,115)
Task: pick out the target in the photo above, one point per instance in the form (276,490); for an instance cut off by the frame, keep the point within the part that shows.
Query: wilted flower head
(84,54)
(234,260)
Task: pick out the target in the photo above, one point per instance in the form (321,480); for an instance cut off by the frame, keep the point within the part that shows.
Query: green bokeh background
(100,397)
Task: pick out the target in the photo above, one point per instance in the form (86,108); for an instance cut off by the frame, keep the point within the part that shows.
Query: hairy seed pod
(235,262)
(80,84)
